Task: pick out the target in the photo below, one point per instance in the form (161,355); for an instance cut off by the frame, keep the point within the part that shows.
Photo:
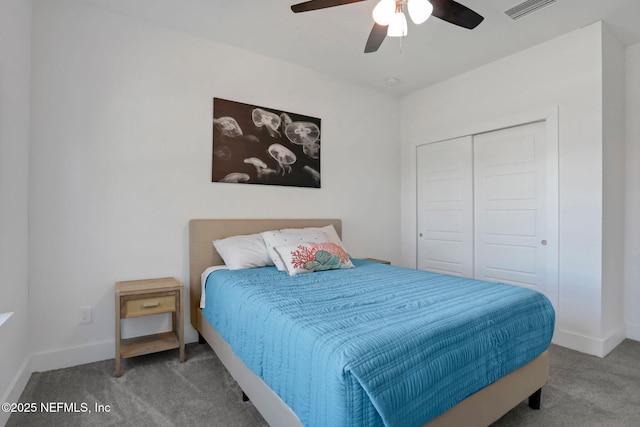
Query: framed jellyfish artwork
(258,145)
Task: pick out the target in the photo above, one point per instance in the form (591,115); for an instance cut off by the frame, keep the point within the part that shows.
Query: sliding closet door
(445,207)
(511,207)
(488,207)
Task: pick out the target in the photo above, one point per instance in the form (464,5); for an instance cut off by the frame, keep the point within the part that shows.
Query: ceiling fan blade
(319,4)
(376,37)
(455,13)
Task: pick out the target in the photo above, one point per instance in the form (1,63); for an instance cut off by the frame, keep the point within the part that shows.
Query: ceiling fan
(390,20)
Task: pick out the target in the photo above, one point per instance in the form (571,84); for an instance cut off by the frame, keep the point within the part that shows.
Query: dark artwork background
(258,145)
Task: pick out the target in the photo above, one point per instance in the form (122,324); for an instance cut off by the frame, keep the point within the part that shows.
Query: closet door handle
(544,243)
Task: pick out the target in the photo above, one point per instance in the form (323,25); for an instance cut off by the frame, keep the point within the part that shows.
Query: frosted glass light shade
(419,10)
(383,12)
(398,25)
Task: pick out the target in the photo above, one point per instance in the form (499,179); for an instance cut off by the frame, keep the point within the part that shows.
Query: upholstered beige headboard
(202,254)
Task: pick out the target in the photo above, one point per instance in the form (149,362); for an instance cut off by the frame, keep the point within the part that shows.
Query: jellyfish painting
(285,119)
(261,167)
(252,138)
(236,177)
(228,126)
(312,150)
(315,175)
(301,133)
(262,118)
(283,156)
(260,145)
(306,134)
(222,152)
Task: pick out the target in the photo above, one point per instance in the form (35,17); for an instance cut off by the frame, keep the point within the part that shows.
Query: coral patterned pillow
(276,238)
(310,257)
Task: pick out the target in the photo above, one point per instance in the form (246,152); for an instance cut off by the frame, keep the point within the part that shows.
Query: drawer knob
(150,304)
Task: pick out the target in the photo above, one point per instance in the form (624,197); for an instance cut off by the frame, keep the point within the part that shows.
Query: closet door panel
(445,207)
(510,206)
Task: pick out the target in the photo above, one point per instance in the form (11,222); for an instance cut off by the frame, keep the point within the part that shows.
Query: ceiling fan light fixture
(390,21)
(384,11)
(398,25)
(419,10)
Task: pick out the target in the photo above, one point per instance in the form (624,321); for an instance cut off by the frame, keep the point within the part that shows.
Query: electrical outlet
(85,314)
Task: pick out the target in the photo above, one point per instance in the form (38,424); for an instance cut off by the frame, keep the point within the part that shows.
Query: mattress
(376,344)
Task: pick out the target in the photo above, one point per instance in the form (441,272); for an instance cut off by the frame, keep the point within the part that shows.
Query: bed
(478,409)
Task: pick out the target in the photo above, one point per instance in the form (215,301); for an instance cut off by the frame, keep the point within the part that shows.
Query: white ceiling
(332,40)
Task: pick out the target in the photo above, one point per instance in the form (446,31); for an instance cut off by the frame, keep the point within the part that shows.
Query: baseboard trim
(585,344)
(72,356)
(79,355)
(16,388)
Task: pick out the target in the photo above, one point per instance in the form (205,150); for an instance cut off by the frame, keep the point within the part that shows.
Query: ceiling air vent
(527,7)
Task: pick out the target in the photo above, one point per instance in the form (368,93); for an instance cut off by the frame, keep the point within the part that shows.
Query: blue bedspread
(376,344)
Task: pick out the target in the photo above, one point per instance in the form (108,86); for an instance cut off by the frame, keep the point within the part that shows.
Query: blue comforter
(376,344)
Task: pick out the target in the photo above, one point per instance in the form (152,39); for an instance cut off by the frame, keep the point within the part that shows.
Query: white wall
(121,160)
(15,30)
(565,72)
(613,233)
(632,224)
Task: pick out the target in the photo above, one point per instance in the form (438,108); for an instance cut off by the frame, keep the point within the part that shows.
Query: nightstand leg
(180,326)
(118,373)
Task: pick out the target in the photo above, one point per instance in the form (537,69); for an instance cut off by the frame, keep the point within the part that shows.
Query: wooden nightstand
(137,298)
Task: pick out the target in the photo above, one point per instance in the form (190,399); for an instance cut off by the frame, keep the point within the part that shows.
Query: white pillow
(276,238)
(243,251)
(309,257)
(329,230)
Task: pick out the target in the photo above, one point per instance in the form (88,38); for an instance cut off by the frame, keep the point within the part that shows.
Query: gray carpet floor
(158,390)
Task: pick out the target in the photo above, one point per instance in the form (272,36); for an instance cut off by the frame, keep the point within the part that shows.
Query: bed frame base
(478,410)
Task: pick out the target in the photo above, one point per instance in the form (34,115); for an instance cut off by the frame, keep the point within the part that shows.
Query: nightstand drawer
(149,305)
